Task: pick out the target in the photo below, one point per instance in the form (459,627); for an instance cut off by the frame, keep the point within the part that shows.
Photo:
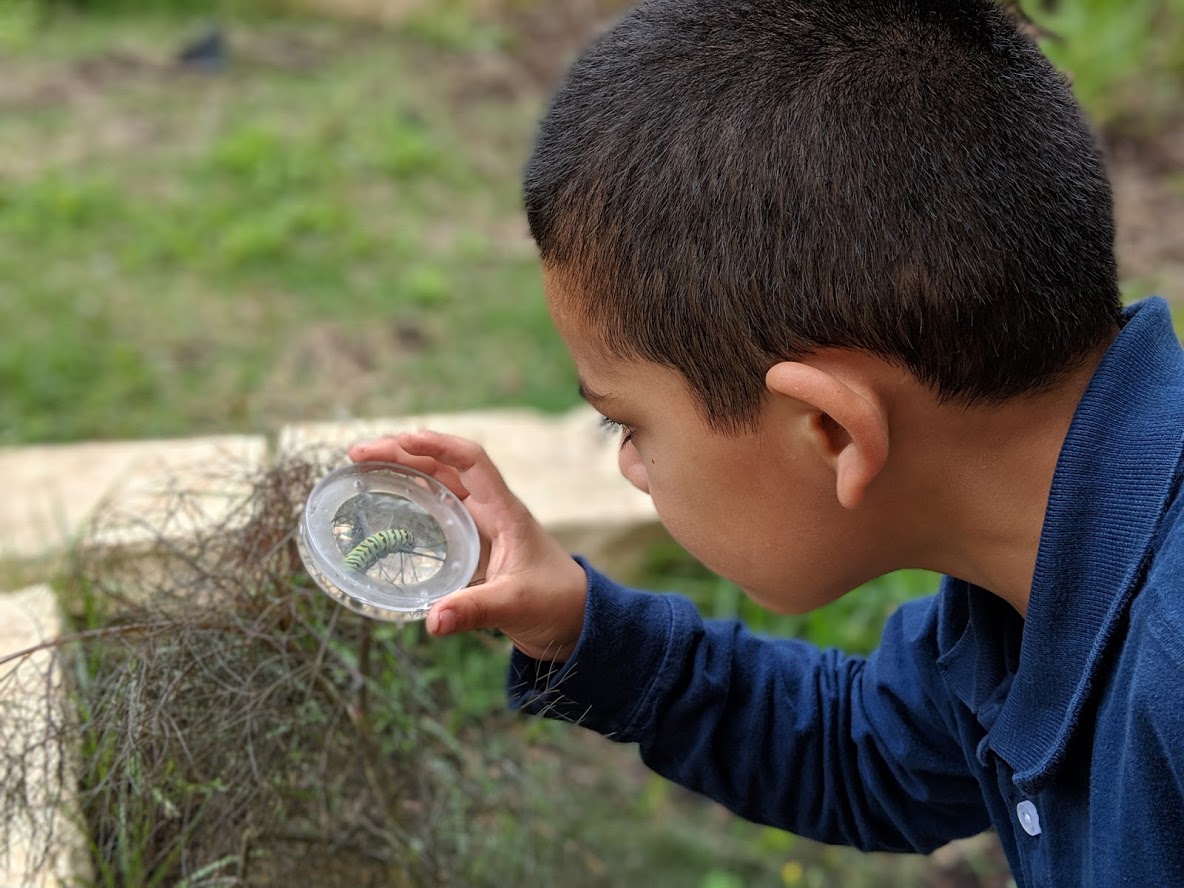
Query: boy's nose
(633,468)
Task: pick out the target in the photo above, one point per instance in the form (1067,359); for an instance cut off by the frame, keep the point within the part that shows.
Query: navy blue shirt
(1065,732)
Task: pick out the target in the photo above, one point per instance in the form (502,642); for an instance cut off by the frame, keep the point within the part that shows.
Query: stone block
(53,491)
(44,844)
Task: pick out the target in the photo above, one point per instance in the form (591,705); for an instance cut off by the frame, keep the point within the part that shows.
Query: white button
(1029,819)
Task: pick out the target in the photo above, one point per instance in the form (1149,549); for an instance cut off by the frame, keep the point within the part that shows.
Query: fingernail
(445,622)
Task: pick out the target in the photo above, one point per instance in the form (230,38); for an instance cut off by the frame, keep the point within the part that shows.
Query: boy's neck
(975,483)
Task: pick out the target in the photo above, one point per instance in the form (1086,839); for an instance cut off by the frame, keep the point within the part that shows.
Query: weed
(231,723)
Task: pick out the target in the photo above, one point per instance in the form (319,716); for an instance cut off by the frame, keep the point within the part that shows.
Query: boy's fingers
(475,469)
(388,449)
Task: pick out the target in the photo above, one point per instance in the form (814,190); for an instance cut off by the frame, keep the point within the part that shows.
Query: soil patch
(1148,177)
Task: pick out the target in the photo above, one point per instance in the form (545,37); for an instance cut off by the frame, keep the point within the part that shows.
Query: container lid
(387,541)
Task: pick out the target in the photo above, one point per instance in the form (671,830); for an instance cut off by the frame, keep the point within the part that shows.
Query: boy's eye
(626,432)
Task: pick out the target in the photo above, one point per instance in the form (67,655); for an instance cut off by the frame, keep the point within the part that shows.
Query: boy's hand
(533,591)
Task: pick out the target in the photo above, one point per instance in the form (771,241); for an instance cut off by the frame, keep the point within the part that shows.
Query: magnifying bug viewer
(387,541)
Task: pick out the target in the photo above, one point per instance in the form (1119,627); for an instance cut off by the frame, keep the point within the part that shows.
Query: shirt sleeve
(840,749)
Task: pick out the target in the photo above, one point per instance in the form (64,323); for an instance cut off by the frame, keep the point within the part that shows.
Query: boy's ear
(850,428)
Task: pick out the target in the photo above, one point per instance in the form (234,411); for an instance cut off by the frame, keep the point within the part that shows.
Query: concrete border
(51,492)
(28,618)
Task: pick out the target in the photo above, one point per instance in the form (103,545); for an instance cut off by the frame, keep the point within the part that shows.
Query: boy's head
(725,185)
(718,188)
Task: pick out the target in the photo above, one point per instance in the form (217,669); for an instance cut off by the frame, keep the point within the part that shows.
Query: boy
(842,272)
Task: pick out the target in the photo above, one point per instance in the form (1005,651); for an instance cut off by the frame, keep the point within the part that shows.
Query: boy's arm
(840,749)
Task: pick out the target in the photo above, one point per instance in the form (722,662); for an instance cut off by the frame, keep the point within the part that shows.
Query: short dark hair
(738,183)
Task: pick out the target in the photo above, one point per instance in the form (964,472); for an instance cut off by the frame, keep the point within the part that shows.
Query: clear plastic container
(387,541)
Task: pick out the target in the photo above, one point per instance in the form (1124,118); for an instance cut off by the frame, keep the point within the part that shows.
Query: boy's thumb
(539,623)
(463,611)
(476,608)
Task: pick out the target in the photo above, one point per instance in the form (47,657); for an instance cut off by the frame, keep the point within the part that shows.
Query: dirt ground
(1148,177)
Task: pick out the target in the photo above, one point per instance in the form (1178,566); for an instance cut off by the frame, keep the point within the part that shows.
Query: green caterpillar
(366,554)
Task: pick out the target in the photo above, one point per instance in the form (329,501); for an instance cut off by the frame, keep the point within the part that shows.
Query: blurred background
(225,216)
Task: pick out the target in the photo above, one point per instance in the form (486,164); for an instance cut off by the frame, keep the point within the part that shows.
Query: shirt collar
(1113,479)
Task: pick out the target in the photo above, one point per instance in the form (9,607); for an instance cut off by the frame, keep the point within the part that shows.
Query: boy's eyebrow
(594,398)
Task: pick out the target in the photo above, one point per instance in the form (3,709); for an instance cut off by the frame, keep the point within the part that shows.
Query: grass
(328,228)
(289,240)
(853,623)
(1125,60)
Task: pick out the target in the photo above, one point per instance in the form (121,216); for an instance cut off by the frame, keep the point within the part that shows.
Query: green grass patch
(270,244)
(852,623)
(330,227)
(1125,59)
